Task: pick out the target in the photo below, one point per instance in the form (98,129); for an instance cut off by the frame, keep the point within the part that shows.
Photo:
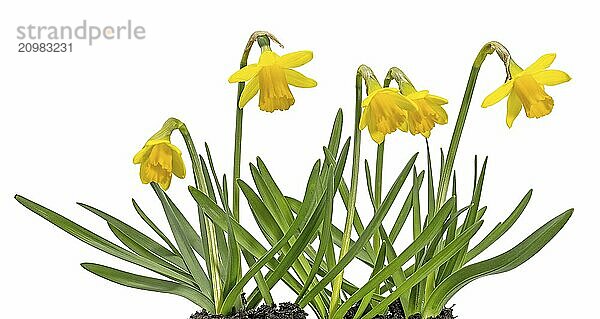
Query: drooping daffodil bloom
(385,110)
(525,89)
(159,159)
(272,76)
(429,110)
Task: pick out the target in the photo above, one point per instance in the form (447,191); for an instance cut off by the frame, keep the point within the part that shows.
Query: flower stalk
(262,37)
(206,225)
(364,73)
(448,165)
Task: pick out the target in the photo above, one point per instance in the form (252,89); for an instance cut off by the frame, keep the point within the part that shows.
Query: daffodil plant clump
(209,258)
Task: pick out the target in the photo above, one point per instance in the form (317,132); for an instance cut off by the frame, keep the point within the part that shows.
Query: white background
(70,124)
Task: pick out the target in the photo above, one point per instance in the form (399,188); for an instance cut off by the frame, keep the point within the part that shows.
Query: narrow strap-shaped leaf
(499,264)
(357,222)
(430,189)
(243,237)
(405,210)
(472,214)
(426,269)
(138,249)
(416,207)
(222,192)
(369,182)
(365,236)
(366,300)
(336,132)
(182,238)
(219,236)
(99,242)
(500,229)
(264,218)
(308,209)
(151,284)
(336,234)
(157,230)
(428,233)
(276,192)
(205,174)
(138,237)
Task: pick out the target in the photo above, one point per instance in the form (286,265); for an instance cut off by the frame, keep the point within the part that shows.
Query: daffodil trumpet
(525,89)
(159,159)
(428,111)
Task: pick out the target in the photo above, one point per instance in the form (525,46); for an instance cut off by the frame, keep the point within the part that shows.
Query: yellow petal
(438,100)
(364,118)
(377,136)
(426,134)
(513,108)
(551,77)
(498,94)
(178,165)
(142,155)
(249,92)
(418,95)
(145,174)
(244,74)
(542,63)
(295,59)
(367,101)
(298,79)
(267,58)
(165,182)
(404,102)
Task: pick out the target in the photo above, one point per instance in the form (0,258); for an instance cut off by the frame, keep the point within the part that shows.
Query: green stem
(237,154)
(378,182)
(345,244)
(262,38)
(486,50)
(210,243)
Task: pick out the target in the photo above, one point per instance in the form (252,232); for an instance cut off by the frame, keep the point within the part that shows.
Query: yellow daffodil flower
(385,110)
(272,76)
(159,159)
(429,110)
(525,89)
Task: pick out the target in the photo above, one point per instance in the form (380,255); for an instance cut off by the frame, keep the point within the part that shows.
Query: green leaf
(150,284)
(309,206)
(365,236)
(369,182)
(405,210)
(430,189)
(472,214)
(336,132)
(426,269)
(99,242)
(183,239)
(138,249)
(159,252)
(150,223)
(500,229)
(222,192)
(264,218)
(430,231)
(499,264)
(243,237)
(366,300)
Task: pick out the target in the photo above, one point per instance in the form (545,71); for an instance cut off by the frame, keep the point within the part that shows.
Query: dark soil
(395,311)
(286,310)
